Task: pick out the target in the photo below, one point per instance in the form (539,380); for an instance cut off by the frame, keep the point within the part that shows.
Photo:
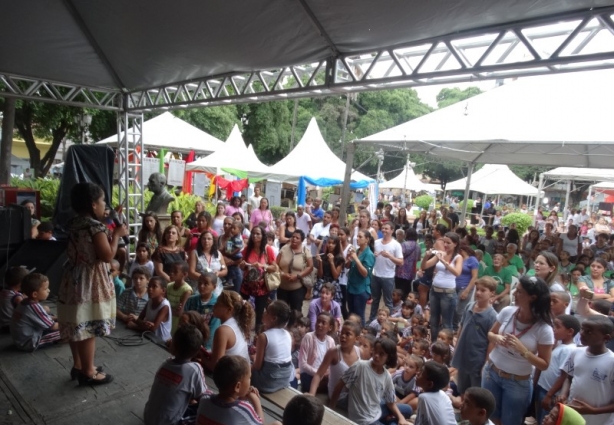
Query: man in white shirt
(319,232)
(254,201)
(584,216)
(388,255)
(303,221)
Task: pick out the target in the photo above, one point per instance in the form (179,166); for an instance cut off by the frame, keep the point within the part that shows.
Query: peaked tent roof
(166,131)
(311,157)
(581,174)
(495,179)
(406,179)
(555,120)
(233,155)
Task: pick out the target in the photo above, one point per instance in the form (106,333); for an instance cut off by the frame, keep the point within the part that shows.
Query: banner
(150,166)
(176,171)
(200,183)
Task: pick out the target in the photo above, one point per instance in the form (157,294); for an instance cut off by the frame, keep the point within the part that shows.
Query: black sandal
(87,380)
(74,372)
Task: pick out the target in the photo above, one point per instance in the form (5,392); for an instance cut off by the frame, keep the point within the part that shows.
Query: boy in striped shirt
(31,326)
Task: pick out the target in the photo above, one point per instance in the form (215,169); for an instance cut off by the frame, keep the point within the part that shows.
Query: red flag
(187,179)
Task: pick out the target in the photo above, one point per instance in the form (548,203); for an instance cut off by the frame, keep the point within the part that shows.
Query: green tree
(215,120)
(268,127)
(447,96)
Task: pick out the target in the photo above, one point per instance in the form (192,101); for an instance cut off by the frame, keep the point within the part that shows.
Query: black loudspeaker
(16,228)
(46,257)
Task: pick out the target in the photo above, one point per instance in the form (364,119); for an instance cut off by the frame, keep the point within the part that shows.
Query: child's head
(115,268)
(206,284)
(413,364)
(397,295)
(412,296)
(366,346)
(478,405)
(237,228)
(45,231)
(407,309)
(485,288)
(230,304)
(324,324)
(195,319)
(179,271)
(186,342)
(420,347)
(350,332)
(151,222)
(434,377)
(304,409)
(595,331)
(564,255)
(140,277)
(420,332)
(35,286)
(561,413)
(417,319)
(142,251)
(369,331)
(326,292)
(441,353)
(355,318)
(232,375)
(447,336)
(566,327)
(382,315)
(156,288)
(302,324)
(14,276)
(385,353)
(559,300)
(601,306)
(276,315)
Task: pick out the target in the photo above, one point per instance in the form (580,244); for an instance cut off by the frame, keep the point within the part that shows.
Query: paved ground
(35,388)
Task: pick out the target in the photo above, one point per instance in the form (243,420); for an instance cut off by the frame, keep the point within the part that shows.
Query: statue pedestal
(165,221)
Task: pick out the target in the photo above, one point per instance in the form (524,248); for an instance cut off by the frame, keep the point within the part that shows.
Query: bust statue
(161,198)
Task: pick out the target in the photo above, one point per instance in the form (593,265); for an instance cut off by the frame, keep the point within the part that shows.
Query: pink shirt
(258,216)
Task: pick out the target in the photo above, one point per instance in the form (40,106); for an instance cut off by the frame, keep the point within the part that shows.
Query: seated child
(434,406)
(565,328)
(237,403)
(382,317)
(178,291)
(194,319)
(203,302)
(45,231)
(157,315)
(178,381)
(11,295)
(313,348)
(563,415)
(31,326)
(233,254)
(366,346)
(560,303)
(272,369)
(421,348)
(412,296)
(404,381)
(117,282)
(478,405)
(142,259)
(397,302)
(303,410)
(133,301)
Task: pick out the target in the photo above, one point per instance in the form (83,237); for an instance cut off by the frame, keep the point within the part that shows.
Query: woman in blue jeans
(361,262)
(443,298)
(523,339)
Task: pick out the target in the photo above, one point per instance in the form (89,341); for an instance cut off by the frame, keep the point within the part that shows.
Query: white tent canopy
(166,131)
(310,158)
(233,154)
(406,179)
(494,179)
(555,120)
(580,174)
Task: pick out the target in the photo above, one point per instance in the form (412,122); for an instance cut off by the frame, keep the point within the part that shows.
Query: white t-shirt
(509,360)
(302,222)
(322,346)
(254,201)
(384,267)
(435,409)
(593,381)
(557,361)
(343,278)
(318,230)
(444,278)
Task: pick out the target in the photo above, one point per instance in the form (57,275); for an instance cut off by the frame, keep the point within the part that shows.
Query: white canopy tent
(407,179)
(493,179)
(166,131)
(310,158)
(232,155)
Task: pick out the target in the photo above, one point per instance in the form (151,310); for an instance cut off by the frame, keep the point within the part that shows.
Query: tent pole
(538,197)
(588,200)
(567,197)
(345,190)
(463,221)
(405,182)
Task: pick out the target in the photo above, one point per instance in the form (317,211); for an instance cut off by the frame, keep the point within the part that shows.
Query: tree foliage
(447,96)
(423,201)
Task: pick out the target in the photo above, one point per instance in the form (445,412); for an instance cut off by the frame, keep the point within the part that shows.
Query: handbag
(272,279)
(310,280)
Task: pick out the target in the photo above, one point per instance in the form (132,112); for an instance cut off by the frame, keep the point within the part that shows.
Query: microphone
(117,219)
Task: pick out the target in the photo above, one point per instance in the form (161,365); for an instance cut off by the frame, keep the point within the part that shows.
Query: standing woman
(184,232)
(376,225)
(432,220)
(523,339)
(199,207)
(344,240)
(206,258)
(203,223)
(286,230)
(465,282)
(218,221)
(443,298)
(364,220)
(529,242)
(262,214)
(406,273)
(421,225)
(86,301)
(329,265)
(234,207)
(400,221)
(361,262)
(258,258)
(167,253)
(295,263)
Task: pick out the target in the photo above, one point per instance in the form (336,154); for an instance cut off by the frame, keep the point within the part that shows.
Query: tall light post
(380,159)
(83,121)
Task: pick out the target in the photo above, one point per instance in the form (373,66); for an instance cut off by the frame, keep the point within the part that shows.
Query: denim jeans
(357,304)
(388,418)
(235,276)
(380,286)
(539,396)
(461,305)
(443,307)
(512,397)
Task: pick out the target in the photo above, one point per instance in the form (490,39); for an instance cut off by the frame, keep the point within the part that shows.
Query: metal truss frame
(576,41)
(130,170)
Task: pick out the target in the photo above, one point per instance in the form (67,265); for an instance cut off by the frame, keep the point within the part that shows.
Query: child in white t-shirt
(434,406)
(478,405)
(156,317)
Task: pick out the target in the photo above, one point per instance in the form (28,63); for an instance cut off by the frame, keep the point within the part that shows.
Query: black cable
(131,340)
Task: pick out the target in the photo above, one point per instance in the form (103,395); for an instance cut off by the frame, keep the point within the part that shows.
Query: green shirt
(517,263)
(502,277)
(487,258)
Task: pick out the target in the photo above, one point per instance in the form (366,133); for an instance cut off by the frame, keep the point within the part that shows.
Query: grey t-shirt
(175,384)
(29,322)
(473,341)
(212,410)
